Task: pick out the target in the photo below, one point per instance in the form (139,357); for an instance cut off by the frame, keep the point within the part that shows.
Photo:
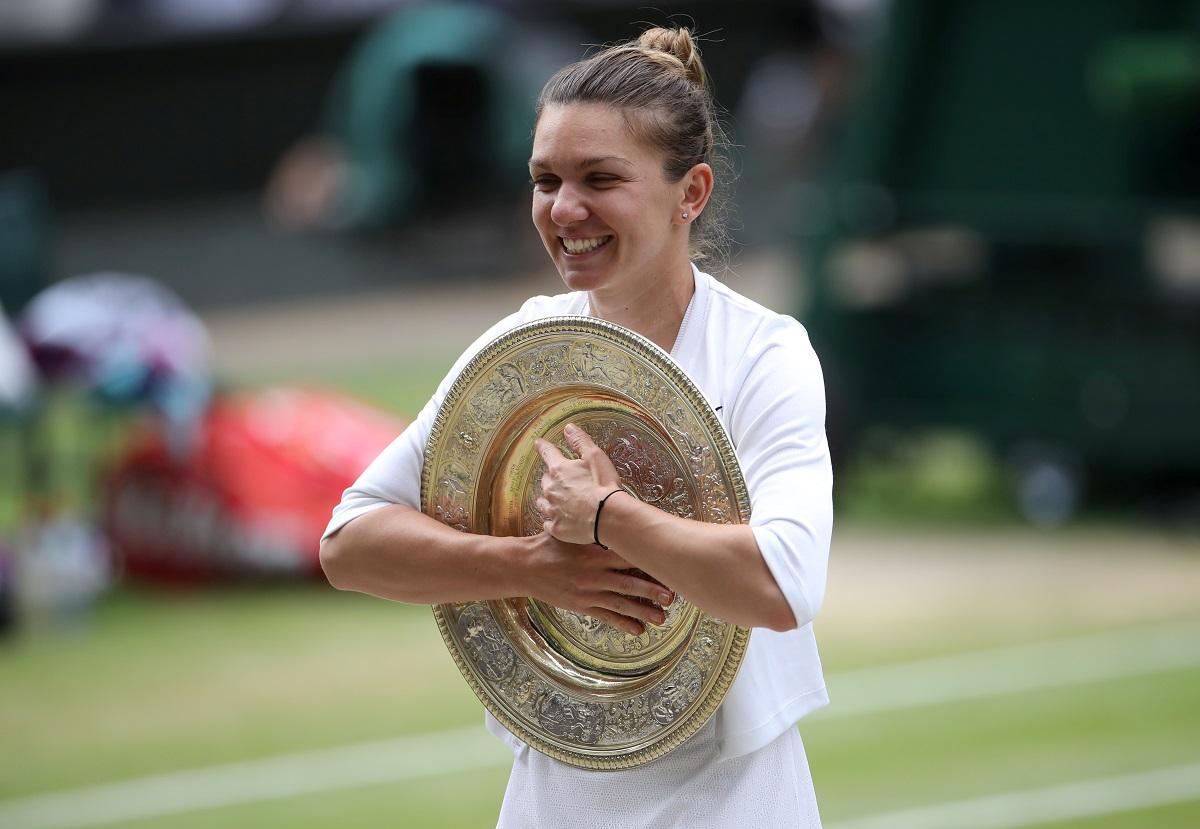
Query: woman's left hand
(572,489)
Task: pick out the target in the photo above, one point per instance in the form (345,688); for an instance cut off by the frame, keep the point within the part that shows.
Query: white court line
(1053,664)
(1070,801)
(996,672)
(272,778)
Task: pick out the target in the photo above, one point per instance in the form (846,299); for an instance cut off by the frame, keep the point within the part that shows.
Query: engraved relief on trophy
(450,507)
(628,719)
(678,692)
(560,715)
(503,388)
(599,364)
(491,652)
(545,366)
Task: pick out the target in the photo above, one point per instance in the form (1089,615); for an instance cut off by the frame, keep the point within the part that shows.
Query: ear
(696,189)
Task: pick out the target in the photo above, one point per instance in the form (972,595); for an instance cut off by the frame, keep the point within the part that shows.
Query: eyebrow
(584,163)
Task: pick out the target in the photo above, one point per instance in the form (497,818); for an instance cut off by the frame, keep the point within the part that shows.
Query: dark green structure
(1010,242)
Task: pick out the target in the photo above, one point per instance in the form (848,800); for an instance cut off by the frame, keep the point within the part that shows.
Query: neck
(655,311)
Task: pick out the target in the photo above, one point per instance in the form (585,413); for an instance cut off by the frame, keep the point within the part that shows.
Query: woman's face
(601,203)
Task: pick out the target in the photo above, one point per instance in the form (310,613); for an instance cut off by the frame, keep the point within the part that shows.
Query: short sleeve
(394,477)
(777,423)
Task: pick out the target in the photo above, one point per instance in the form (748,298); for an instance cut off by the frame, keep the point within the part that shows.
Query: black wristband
(596,523)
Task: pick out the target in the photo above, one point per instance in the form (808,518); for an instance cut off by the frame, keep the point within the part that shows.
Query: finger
(548,451)
(642,611)
(630,626)
(631,585)
(543,507)
(598,462)
(579,440)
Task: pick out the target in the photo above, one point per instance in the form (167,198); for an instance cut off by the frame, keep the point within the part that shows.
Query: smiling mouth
(575,247)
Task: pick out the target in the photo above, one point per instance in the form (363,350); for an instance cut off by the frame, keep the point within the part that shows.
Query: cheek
(540,212)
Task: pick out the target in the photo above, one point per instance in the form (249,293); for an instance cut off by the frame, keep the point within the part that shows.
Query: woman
(622,170)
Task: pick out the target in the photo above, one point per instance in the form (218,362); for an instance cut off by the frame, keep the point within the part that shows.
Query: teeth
(584,245)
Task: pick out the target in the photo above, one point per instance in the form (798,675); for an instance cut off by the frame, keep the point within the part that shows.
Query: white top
(758,371)
(770,788)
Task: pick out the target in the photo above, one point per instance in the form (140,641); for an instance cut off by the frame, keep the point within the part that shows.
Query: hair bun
(679,44)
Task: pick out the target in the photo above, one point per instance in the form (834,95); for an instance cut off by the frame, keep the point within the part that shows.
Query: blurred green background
(987,215)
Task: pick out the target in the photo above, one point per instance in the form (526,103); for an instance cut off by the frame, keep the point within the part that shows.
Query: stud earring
(683,215)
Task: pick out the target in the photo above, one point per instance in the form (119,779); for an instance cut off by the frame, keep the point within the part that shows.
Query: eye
(603,179)
(543,183)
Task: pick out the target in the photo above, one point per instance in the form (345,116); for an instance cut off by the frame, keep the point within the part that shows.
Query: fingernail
(665,599)
(571,429)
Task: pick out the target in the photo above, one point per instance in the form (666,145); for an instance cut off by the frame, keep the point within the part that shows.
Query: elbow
(333,564)
(780,617)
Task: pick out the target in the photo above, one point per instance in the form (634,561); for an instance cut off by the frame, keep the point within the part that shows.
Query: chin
(582,282)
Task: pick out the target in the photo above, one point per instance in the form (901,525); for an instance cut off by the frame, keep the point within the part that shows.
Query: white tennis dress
(746,768)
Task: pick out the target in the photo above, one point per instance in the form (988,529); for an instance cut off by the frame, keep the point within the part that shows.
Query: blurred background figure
(430,113)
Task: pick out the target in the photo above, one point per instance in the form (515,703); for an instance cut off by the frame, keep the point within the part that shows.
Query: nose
(569,206)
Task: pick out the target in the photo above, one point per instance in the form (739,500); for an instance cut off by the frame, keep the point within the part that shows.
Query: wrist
(513,561)
(605,498)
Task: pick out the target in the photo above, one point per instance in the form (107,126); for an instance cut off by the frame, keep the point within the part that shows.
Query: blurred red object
(251,498)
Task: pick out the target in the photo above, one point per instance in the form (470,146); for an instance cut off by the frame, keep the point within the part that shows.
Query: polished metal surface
(571,686)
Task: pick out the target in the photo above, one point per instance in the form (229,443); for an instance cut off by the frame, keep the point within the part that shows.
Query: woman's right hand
(588,579)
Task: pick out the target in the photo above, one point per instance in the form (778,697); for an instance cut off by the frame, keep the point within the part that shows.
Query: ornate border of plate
(590,723)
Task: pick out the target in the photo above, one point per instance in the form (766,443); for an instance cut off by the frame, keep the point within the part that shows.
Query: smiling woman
(613,222)
(623,180)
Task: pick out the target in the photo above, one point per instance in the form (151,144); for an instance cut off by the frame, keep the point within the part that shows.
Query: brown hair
(659,83)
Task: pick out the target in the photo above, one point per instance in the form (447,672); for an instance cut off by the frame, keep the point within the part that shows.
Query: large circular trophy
(570,685)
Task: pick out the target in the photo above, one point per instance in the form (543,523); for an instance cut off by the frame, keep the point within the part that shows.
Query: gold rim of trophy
(570,686)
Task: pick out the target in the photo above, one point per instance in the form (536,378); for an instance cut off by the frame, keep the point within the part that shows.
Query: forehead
(567,134)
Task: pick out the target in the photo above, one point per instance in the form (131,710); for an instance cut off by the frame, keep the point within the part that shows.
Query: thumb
(579,440)
(599,463)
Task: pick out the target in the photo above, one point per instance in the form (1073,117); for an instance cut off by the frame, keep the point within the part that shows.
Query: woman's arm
(718,567)
(399,553)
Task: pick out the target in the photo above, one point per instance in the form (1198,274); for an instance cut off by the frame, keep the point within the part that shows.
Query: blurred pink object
(255,493)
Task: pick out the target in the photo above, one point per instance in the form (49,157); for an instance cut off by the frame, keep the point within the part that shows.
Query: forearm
(398,553)
(717,567)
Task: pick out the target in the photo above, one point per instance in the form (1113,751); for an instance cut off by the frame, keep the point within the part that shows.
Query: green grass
(166,681)
(947,477)
(162,681)
(400,387)
(437,803)
(907,759)
(1180,816)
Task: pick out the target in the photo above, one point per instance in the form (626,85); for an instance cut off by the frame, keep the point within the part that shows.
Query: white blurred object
(781,98)
(45,19)
(212,15)
(114,326)
(1173,255)
(344,9)
(18,378)
(852,23)
(128,339)
(62,566)
(1048,482)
